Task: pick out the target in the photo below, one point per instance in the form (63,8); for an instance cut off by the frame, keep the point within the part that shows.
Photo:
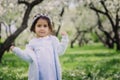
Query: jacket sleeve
(24,54)
(61,47)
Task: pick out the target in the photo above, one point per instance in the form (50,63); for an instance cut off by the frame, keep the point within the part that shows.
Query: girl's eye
(45,25)
(38,25)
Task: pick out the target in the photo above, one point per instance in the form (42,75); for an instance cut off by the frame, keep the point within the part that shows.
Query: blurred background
(93,27)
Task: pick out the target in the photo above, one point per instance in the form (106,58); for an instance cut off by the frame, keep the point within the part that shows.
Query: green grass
(90,62)
(13,68)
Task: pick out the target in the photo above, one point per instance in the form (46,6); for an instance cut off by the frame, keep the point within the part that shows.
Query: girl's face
(42,28)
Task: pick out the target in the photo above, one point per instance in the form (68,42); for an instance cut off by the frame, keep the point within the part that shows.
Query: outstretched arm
(23,53)
(63,44)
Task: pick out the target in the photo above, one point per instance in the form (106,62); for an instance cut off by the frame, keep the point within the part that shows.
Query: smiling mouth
(42,32)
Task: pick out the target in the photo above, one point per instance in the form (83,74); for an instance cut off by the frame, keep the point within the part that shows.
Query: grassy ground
(90,62)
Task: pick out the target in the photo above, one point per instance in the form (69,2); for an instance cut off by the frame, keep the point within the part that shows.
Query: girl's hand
(12,47)
(64,33)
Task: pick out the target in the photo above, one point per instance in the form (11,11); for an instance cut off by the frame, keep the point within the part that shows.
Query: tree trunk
(109,43)
(73,41)
(61,14)
(81,40)
(117,40)
(0,32)
(7,43)
(118,46)
(2,50)
(58,30)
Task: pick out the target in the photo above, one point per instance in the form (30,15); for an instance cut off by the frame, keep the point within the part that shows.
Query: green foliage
(13,68)
(90,62)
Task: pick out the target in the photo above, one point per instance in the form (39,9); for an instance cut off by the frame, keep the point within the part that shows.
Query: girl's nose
(42,27)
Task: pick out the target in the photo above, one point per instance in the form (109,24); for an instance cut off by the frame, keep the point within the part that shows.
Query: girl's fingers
(12,47)
(63,33)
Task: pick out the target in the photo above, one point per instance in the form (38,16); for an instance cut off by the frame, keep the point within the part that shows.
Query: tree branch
(35,2)
(96,10)
(101,38)
(62,12)
(104,13)
(117,18)
(103,3)
(102,29)
(23,2)
(107,14)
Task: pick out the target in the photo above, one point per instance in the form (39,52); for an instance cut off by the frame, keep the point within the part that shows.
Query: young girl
(43,51)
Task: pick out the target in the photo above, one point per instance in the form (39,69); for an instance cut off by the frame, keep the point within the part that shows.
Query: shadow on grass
(91,55)
(79,57)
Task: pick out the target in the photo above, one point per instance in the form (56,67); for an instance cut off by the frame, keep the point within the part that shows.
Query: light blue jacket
(29,56)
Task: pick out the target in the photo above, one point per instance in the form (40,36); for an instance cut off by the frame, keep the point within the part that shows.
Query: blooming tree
(108,13)
(7,43)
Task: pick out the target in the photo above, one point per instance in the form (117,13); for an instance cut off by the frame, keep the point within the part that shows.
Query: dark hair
(39,16)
